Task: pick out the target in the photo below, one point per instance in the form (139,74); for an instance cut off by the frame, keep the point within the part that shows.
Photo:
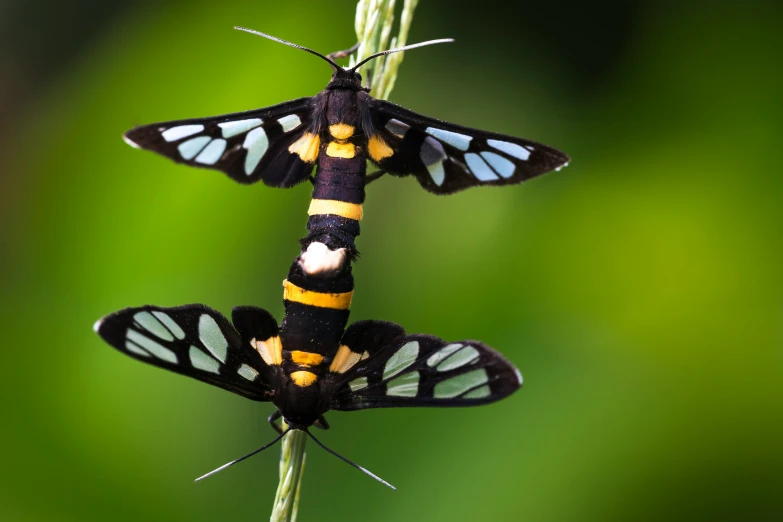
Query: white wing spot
(500,164)
(202,361)
(403,358)
(406,385)
(155,348)
(212,152)
(512,149)
(397,127)
(432,155)
(465,356)
(437,173)
(444,352)
(247,372)
(135,349)
(478,393)
(210,334)
(289,122)
(130,142)
(455,139)
(358,384)
(189,149)
(183,131)
(232,128)
(153,326)
(479,168)
(169,322)
(460,384)
(256,143)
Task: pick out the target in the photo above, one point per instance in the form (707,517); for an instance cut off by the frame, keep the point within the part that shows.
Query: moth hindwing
(393,369)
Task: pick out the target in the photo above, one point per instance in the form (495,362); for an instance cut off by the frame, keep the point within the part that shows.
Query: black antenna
(376,477)
(275,39)
(240,459)
(405,48)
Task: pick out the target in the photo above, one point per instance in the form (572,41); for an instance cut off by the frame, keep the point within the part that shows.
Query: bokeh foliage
(639,290)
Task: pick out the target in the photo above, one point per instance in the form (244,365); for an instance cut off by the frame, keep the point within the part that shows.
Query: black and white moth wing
(248,146)
(420,370)
(446,158)
(199,342)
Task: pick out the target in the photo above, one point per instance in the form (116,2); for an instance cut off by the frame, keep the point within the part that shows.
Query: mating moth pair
(310,363)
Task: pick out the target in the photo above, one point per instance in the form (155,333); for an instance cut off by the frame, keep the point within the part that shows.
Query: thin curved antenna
(240,459)
(365,470)
(405,48)
(290,44)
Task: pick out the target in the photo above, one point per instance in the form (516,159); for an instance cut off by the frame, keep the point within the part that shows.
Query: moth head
(345,79)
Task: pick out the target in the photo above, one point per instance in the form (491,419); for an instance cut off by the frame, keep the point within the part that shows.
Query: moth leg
(272,418)
(321,423)
(344,53)
(373,176)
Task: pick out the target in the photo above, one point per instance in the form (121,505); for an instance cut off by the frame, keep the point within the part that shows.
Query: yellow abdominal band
(338,208)
(294,293)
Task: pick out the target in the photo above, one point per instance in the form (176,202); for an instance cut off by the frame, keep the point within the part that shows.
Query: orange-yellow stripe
(306,358)
(297,294)
(303,378)
(338,208)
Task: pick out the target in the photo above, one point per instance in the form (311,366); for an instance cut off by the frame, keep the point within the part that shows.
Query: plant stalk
(373,24)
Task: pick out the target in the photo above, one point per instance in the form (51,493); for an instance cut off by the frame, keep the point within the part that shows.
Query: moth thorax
(342,111)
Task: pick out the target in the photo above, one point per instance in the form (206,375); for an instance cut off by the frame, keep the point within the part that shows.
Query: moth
(279,145)
(311,363)
(374,364)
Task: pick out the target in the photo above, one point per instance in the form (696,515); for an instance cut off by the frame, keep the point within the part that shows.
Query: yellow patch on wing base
(297,294)
(338,208)
(340,150)
(303,378)
(306,358)
(271,350)
(307,147)
(344,360)
(341,131)
(378,148)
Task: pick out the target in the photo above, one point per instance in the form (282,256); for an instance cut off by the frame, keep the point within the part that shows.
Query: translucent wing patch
(447,158)
(199,342)
(248,146)
(422,370)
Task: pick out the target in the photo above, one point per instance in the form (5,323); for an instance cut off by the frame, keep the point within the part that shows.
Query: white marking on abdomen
(320,259)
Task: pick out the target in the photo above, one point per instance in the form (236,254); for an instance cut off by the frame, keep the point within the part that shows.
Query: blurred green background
(640,290)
